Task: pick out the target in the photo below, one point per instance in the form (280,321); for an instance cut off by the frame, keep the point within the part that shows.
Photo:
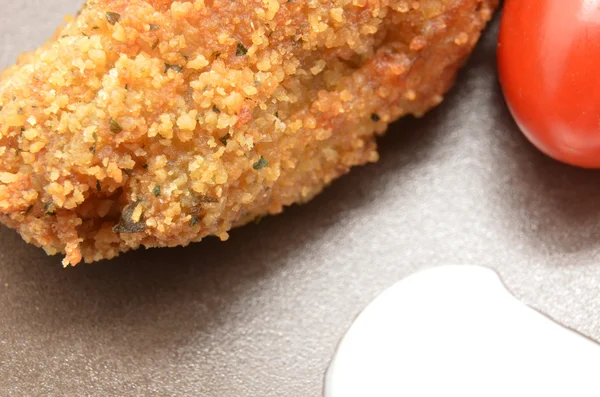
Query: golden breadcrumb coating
(156,123)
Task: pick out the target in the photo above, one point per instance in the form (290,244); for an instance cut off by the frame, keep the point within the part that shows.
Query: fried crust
(157,123)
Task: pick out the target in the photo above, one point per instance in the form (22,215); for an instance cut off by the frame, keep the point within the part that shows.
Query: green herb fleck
(93,148)
(96,28)
(113,17)
(115,127)
(49,208)
(375,117)
(225,138)
(126,223)
(260,164)
(176,68)
(216,109)
(154,27)
(241,50)
(28,210)
(127,86)
(98,186)
(145,166)
(277,113)
(194,220)
(206,199)
(156,191)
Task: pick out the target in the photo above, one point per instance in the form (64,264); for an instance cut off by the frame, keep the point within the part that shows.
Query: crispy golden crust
(157,123)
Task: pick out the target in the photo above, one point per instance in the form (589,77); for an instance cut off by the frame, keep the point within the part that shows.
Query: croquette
(157,123)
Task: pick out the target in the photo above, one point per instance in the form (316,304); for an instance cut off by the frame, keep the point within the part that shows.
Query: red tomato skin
(549,70)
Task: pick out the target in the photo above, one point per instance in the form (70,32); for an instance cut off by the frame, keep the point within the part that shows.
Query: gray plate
(261,314)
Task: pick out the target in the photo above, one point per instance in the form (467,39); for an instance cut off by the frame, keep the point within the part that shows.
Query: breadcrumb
(158,123)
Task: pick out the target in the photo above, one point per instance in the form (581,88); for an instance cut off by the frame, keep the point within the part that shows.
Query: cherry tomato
(549,67)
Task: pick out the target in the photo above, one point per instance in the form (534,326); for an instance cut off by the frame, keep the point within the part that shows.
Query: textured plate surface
(261,315)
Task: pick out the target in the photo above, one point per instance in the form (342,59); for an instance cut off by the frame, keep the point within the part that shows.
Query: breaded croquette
(157,123)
